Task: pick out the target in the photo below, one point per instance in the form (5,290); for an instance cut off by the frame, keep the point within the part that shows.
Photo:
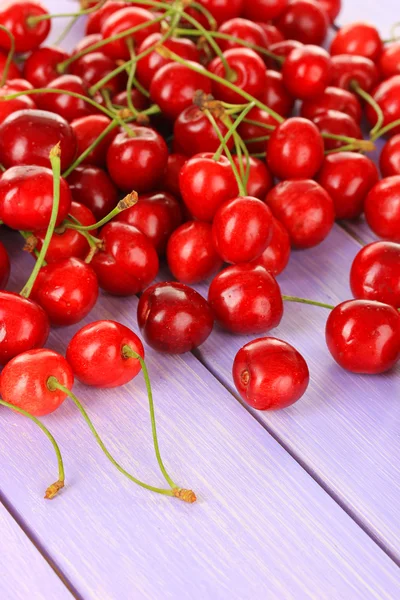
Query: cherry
(246,299)
(26,198)
(389,161)
(270,374)
(389,60)
(306,71)
(15,16)
(347,69)
(137,161)
(129,262)
(156,215)
(97,18)
(18,84)
(13,71)
(382,208)
(222,10)
(27,136)
(305,209)
(94,66)
(332,8)
(295,149)
(23,325)
(348,177)
(337,123)
(174,318)
(205,184)
(387,95)
(260,179)
(305,21)
(272,34)
(4,267)
(92,187)
(242,229)
(375,273)
(68,107)
(174,85)
(120,21)
(97,354)
(333,98)
(247,73)
(194,133)
(88,40)
(41,66)
(24,381)
(8,107)
(148,66)
(243,29)
(363,336)
(139,101)
(191,254)
(87,130)
(359,39)
(281,48)
(276,256)
(171,178)
(264,10)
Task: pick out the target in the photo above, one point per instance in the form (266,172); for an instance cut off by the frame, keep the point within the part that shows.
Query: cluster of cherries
(185,109)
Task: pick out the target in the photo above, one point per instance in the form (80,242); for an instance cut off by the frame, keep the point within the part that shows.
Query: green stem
(9,56)
(386,129)
(232,127)
(365,145)
(127,202)
(131,77)
(259,124)
(29,235)
(263,138)
(370,100)
(239,143)
(38,18)
(306,301)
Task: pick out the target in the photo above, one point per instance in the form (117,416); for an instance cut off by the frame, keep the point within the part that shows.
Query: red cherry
(242,229)
(347,68)
(41,66)
(14,16)
(24,325)
(272,34)
(92,187)
(4,267)
(27,136)
(29,372)
(8,107)
(174,85)
(389,161)
(248,131)
(129,262)
(155,215)
(364,336)
(276,256)
(264,10)
(389,61)
(221,10)
(332,99)
(387,95)
(18,84)
(191,254)
(137,162)
(243,29)
(382,208)
(94,66)
(246,299)
(306,71)
(295,149)
(120,21)
(260,179)
(282,48)
(26,198)
(305,209)
(87,130)
(68,107)
(275,94)
(248,74)
(97,18)
(193,132)
(348,177)
(332,8)
(305,21)
(359,39)
(270,374)
(171,178)
(88,40)
(13,71)
(96,354)
(337,123)
(139,101)
(375,273)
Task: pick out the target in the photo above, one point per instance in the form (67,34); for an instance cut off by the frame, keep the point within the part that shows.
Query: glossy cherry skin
(248,74)
(129,262)
(246,299)
(97,18)
(87,41)
(193,132)
(4,267)
(332,8)
(348,177)
(270,374)
(333,98)
(337,123)
(272,34)
(389,61)
(26,198)
(347,68)
(87,130)
(92,187)
(124,19)
(13,71)
(92,67)
(27,136)
(363,336)
(174,318)
(281,48)
(139,101)
(382,208)
(171,177)
(307,71)
(14,16)
(23,381)
(264,10)
(148,66)
(41,66)
(191,253)
(96,354)
(375,273)
(23,325)
(8,107)
(156,215)
(260,179)
(389,160)
(221,10)
(243,29)
(205,184)
(305,209)
(387,95)
(295,149)
(68,107)
(174,85)
(17,84)
(360,39)
(305,21)
(276,255)
(242,229)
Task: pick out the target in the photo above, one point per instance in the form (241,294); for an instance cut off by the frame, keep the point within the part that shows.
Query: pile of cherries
(231,136)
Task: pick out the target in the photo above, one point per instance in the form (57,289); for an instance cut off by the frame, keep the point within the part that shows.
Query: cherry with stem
(370,100)
(127,202)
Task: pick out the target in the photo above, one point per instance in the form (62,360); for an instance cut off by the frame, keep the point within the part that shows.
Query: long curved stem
(9,56)
(127,202)
(386,129)
(306,301)
(370,100)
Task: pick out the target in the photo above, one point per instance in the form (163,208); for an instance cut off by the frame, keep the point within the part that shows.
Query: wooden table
(302,503)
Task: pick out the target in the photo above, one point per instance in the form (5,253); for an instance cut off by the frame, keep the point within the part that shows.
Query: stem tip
(129,200)
(55,152)
(185,495)
(53,489)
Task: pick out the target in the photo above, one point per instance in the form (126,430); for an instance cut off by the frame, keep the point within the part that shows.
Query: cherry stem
(259,124)
(9,56)
(54,487)
(32,20)
(370,100)
(30,243)
(232,127)
(241,149)
(364,145)
(306,301)
(386,129)
(127,202)
(131,77)
(55,154)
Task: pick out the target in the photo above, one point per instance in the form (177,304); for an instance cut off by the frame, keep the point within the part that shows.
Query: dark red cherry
(382,208)
(260,179)
(139,101)
(96,19)
(4,267)
(276,255)
(270,374)
(305,21)
(92,187)
(246,299)
(389,61)
(14,16)
(68,107)
(120,21)
(8,107)
(41,66)
(334,122)
(248,74)
(306,71)
(347,68)
(360,39)
(281,48)
(252,128)
(13,72)
(275,94)
(363,336)
(389,161)
(174,318)
(264,10)
(94,66)
(87,130)
(272,34)
(87,41)
(171,177)
(221,10)
(387,95)
(243,29)
(332,8)
(193,132)
(333,98)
